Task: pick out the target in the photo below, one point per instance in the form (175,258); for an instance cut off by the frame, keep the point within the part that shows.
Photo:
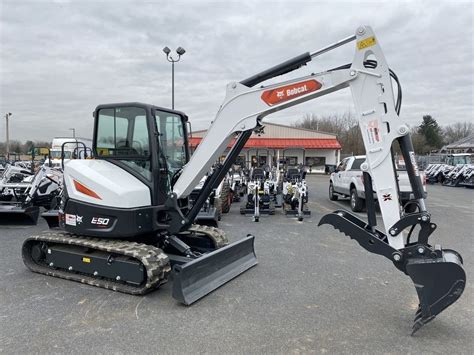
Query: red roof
(282,143)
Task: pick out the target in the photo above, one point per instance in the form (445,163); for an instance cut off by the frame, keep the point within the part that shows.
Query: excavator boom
(438,274)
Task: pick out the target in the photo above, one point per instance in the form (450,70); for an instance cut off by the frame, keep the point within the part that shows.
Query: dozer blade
(18,215)
(51,217)
(197,278)
(439,283)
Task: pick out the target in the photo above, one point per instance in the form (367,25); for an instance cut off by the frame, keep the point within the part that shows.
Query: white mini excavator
(126,220)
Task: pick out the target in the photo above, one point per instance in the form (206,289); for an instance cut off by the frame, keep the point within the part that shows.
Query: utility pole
(180,51)
(73,132)
(8,136)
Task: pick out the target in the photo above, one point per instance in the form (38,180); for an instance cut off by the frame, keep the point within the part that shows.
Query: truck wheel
(332,196)
(357,203)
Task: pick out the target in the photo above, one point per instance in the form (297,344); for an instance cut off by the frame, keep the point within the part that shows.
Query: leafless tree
(344,126)
(457,131)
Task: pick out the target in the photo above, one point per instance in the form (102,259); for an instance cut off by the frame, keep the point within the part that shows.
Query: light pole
(8,136)
(73,132)
(180,51)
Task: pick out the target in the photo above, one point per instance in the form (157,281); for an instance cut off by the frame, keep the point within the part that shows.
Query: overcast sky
(60,59)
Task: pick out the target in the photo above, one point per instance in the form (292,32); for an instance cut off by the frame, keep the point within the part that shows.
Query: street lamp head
(166,50)
(9,113)
(180,50)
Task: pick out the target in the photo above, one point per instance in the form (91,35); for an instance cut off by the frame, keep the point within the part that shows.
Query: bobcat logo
(281,94)
(387,197)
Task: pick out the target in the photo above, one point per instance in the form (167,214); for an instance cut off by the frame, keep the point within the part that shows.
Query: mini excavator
(127,224)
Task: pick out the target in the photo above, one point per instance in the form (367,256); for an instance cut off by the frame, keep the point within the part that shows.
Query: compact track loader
(125,214)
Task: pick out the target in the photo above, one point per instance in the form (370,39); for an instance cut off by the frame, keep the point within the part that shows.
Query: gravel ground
(314,291)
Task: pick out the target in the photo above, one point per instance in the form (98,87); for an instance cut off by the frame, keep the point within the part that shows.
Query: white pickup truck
(347,181)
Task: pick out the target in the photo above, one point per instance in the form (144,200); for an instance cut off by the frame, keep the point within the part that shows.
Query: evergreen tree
(431,131)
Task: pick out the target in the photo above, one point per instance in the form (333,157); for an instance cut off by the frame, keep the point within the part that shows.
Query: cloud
(58,60)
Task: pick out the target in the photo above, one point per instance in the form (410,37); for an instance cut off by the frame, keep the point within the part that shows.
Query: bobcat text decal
(289,92)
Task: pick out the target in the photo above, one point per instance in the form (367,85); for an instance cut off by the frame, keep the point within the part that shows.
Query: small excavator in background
(259,198)
(295,193)
(126,217)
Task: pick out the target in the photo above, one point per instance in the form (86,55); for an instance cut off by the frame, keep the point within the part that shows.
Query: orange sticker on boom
(289,92)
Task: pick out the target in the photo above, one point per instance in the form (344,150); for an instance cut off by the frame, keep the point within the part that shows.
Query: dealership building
(284,144)
(465,145)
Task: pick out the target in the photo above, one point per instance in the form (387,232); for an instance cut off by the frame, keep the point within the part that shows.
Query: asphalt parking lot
(314,291)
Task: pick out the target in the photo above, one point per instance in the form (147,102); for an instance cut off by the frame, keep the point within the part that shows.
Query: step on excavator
(126,218)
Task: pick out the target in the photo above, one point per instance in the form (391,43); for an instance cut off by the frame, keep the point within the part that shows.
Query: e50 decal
(99,221)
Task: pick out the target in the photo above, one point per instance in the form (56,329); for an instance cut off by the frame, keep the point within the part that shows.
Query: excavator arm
(438,274)
(244,108)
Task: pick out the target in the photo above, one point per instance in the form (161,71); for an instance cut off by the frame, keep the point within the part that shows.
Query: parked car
(347,181)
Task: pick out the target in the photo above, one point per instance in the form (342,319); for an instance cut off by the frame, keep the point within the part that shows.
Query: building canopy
(277,136)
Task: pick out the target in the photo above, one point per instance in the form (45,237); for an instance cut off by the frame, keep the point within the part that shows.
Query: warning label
(365,43)
(70,219)
(373,131)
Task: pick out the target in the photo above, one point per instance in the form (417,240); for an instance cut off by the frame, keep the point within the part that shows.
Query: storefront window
(315,162)
(292,161)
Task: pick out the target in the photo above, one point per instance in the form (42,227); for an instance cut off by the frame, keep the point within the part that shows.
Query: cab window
(342,165)
(357,163)
(171,138)
(122,134)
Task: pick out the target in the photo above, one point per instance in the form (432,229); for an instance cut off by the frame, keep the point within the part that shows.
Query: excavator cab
(146,141)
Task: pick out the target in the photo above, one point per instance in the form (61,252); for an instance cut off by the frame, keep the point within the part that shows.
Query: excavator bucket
(18,215)
(439,282)
(51,217)
(438,274)
(197,278)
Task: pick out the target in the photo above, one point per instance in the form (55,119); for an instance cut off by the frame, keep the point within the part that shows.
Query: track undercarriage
(137,268)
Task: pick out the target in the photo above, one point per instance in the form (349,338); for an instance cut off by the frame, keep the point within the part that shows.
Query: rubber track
(156,263)
(215,234)
(224,197)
